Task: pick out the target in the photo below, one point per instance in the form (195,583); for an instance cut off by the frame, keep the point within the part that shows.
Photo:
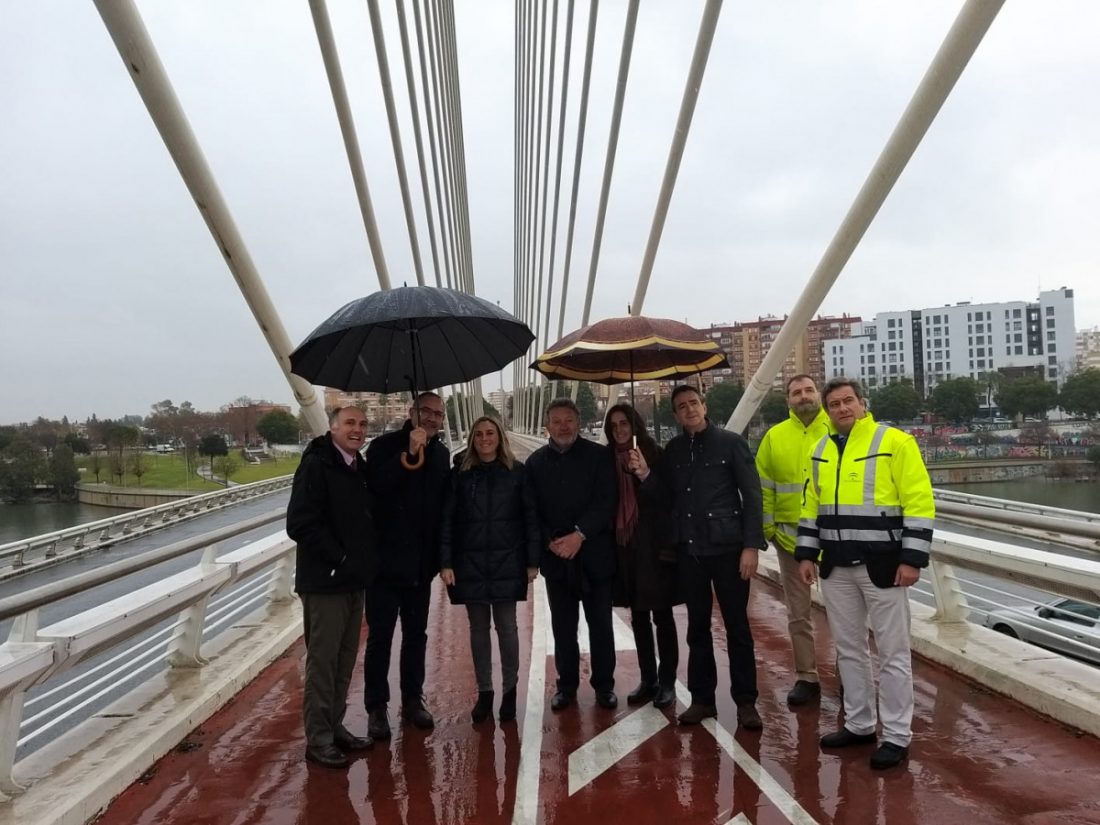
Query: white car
(1064,625)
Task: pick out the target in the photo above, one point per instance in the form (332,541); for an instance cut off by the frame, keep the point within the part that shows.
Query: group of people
(628,525)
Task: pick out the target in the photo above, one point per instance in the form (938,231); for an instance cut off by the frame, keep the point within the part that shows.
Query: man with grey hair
(329,516)
(576,492)
(867,514)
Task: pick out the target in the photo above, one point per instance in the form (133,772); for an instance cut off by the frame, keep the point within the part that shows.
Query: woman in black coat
(489,554)
(647,561)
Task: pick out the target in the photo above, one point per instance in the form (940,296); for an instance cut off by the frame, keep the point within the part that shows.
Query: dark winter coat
(575,489)
(408,505)
(646,577)
(330,517)
(489,535)
(710,478)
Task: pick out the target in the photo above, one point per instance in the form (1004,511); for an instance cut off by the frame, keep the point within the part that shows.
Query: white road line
(778,795)
(740,819)
(526,811)
(601,752)
(624,635)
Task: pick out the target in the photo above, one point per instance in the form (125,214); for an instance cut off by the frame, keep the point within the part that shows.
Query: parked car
(1063,625)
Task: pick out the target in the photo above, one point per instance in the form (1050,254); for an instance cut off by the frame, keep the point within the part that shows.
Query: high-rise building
(961,340)
(383,412)
(747,343)
(1088,349)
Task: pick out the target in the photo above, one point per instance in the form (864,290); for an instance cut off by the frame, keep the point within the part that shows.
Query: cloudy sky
(113,295)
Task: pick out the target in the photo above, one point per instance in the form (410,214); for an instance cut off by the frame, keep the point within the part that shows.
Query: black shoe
(508,706)
(484,707)
(414,712)
(641,694)
(748,716)
(328,755)
(844,738)
(803,692)
(348,742)
(887,755)
(378,724)
(696,713)
(561,700)
(666,695)
(607,699)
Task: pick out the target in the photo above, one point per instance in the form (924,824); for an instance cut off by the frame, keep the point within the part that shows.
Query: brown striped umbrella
(634,348)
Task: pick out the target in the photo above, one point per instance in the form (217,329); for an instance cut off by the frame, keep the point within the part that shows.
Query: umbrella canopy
(410,338)
(634,348)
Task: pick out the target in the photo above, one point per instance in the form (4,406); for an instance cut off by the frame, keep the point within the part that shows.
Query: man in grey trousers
(329,516)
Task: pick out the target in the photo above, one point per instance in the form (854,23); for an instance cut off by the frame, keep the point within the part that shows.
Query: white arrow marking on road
(740,819)
(526,810)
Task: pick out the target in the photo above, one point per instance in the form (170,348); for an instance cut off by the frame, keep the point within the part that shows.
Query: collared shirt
(349,457)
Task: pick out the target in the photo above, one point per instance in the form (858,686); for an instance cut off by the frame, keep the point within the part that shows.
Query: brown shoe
(748,717)
(697,713)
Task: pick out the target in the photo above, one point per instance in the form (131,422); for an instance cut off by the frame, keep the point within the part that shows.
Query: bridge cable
(382,55)
(703,42)
(326,41)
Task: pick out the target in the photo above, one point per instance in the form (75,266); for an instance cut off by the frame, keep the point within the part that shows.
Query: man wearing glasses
(408,505)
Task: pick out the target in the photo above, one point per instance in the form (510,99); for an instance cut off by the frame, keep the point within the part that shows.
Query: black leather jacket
(711,484)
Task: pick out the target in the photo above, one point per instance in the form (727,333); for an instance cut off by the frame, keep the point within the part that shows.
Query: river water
(1069,495)
(20,521)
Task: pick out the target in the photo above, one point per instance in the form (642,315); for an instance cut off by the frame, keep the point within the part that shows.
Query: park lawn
(162,472)
(247,473)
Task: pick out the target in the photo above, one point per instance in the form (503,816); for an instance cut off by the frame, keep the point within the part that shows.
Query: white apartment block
(960,340)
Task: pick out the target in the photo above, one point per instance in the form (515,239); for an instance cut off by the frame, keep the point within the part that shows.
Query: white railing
(96,535)
(35,655)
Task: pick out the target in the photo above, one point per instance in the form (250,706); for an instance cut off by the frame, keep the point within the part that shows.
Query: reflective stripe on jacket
(781,461)
(871,500)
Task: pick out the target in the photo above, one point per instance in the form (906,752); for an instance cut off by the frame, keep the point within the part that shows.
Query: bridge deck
(977,757)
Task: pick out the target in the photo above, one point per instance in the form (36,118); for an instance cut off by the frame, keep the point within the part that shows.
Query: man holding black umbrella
(408,506)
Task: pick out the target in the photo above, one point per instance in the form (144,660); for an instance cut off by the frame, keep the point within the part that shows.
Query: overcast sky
(113,295)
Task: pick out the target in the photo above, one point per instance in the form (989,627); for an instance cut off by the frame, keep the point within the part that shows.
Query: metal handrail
(138,521)
(71,586)
(1002,504)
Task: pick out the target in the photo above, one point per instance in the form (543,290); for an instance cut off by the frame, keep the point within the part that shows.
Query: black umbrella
(411,338)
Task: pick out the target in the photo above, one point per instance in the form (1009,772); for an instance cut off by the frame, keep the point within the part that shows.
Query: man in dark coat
(575,490)
(330,518)
(709,475)
(408,504)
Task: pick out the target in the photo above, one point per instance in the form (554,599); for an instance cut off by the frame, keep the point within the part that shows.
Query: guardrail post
(951,601)
(185,646)
(23,629)
(17,559)
(281,588)
(51,549)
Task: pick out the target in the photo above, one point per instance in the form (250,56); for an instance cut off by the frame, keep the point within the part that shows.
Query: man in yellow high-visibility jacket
(780,460)
(868,511)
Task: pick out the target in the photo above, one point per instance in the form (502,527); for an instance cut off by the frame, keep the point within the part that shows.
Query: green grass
(162,472)
(167,472)
(269,469)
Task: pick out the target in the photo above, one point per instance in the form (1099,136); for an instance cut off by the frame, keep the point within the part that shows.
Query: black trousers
(331,624)
(699,577)
(668,647)
(565,607)
(384,606)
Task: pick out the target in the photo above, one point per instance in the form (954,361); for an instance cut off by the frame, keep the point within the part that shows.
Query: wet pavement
(976,758)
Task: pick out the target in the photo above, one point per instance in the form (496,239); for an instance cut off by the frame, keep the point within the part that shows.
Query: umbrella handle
(408,465)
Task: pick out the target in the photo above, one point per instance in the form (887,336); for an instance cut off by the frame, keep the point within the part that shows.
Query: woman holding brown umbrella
(646,580)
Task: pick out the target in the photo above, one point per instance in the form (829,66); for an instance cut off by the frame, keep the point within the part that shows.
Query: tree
(240,418)
(895,402)
(77,443)
(1081,393)
(139,466)
(278,427)
(227,465)
(1029,396)
(955,399)
(721,401)
(63,472)
(211,445)
(774,409)
(1093,455)
(24,465)
(586,403)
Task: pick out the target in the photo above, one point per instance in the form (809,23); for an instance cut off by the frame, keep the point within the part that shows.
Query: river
(20,521)
(1069,495)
